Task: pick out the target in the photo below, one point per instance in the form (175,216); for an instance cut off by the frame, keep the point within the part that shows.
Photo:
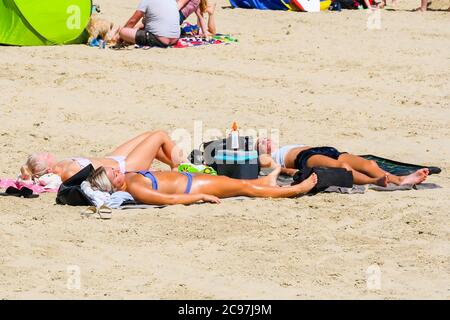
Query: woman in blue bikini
(166,188)
(135,154)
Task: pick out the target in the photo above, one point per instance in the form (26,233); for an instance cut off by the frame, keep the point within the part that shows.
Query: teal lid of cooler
(232,155)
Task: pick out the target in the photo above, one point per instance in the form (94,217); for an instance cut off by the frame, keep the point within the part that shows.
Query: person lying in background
(155,23)
(135,154)
(168,188)
(297,156)
(200,7)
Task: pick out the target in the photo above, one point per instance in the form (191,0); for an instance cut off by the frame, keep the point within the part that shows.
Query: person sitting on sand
(135,154)
(167,188)
(200,7)
(159,27)
(296,157)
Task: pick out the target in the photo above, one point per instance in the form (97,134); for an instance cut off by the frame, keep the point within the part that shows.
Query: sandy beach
(320,79)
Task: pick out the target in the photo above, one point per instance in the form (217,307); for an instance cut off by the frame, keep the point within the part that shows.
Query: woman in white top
(295,157)
(135,154)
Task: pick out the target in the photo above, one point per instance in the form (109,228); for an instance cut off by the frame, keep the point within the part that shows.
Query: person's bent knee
(161,133)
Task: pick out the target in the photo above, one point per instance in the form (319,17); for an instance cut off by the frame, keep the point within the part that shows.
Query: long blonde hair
(99,180)
(203,5)
(34,168)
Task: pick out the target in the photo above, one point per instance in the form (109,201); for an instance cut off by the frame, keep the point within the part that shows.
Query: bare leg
(224,187)
(211,18)
(128,35)
(126,148)
(142,150)
(269,180)
(371,168)
(423,6)
(368,167)
(358,177)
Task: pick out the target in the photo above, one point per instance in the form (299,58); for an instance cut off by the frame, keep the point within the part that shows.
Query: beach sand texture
(321,79)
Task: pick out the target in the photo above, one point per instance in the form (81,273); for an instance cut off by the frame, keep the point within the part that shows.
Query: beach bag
(345,4)
(326,177)
(70,192)
(208,150)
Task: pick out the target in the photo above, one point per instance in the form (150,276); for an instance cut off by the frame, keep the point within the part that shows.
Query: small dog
(100,28)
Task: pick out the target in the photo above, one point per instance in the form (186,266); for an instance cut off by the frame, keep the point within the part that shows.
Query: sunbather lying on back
(165,188)
(296,157)
(135,154)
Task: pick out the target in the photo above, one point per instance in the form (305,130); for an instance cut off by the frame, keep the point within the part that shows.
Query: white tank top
(279,155)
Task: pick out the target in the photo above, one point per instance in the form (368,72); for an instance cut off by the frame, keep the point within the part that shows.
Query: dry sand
(321,79)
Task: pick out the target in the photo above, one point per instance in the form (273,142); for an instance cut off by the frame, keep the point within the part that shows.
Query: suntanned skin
(205,30)
(364,171)
(172,185)
(139,154)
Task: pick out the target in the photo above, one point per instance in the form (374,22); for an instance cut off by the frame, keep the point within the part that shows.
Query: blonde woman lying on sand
(166,188)
(135,154)
(295,157)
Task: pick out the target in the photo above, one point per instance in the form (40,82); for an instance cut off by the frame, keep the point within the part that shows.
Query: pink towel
(5,183)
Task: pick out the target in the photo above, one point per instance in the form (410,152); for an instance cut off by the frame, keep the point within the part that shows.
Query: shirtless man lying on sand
(296,157)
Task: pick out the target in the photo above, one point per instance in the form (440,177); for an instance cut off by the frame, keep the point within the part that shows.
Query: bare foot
(382,182)
(307,184)
(423,6)
(415,178)
(271,178)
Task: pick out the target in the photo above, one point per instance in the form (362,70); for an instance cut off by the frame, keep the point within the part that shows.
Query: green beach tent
(43,22)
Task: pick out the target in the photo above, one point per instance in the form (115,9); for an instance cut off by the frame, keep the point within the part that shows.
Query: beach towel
(391,166)
(394,187)
(195,41)
(399,168)
(259,4)
(35,187)
(286,181)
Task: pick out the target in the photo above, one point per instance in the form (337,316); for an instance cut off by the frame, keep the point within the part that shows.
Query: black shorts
(302,157)
(145,38)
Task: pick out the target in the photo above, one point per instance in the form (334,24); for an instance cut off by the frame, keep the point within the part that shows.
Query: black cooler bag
(326,177)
